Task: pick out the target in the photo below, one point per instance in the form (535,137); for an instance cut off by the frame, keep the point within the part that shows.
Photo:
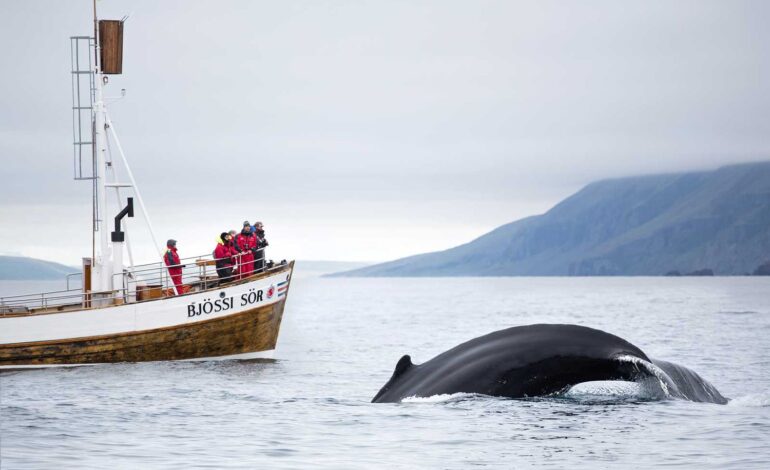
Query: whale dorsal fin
(403,365)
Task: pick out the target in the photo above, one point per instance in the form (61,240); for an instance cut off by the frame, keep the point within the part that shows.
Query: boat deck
(198,276)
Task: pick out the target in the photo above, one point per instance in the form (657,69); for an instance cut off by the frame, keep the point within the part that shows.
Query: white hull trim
(143,316)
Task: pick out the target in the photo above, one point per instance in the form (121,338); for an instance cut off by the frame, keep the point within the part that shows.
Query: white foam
(442,398)
(754,400)
(609,388)
(644,389)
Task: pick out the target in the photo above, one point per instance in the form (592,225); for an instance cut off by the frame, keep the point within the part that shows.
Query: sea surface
(339,343)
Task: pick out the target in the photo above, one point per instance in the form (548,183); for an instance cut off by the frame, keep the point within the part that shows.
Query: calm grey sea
(339,343)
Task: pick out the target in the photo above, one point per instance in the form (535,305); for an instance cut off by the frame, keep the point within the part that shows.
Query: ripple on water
(310,408)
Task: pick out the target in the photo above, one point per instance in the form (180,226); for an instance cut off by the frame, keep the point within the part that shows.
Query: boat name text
(223,304)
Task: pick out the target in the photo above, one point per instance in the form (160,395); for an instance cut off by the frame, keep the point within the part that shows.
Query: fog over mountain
(21,268)
(646,225)
(372,130)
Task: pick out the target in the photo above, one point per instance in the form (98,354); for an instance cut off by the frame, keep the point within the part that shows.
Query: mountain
(13,268)
(646,225)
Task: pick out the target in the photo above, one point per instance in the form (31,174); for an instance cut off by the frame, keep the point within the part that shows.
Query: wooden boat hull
(243,333)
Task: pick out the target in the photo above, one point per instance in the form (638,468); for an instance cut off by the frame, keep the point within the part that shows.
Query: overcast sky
(363,130)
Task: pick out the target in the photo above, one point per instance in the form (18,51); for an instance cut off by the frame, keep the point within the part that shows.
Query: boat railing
(26,302)
(136,284)
(70,276)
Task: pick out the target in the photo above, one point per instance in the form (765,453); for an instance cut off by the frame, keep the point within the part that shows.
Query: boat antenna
(94,215)
(96,32)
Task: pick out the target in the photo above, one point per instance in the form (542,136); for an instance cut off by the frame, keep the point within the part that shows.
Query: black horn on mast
(118,235)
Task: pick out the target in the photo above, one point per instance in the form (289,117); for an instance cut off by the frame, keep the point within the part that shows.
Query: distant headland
(698,223)
(19,268)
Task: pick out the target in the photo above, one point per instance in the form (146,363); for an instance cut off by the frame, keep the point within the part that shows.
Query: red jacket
(223,255)
(172,259)
(245,242)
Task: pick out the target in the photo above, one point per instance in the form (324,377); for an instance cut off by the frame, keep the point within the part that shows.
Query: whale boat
(125,312)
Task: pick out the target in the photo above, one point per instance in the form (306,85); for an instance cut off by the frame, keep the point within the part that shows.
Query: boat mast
(93,159)
(107,252)
(102,272)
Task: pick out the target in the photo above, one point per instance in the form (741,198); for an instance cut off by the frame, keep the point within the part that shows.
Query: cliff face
(647,225)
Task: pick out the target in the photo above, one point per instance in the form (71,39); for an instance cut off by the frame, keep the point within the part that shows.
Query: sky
(368,131)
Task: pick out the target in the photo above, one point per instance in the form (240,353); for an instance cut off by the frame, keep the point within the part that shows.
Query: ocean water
(339,343)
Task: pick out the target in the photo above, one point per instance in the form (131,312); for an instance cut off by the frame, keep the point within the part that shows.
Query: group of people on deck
(237,255)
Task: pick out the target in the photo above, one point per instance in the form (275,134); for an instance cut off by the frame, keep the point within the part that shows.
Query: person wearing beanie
(246,245)
(261,241)
(171,258)
(223,256)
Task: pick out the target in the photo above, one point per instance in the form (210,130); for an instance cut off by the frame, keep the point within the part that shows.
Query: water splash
(755,400)
(441,398)
(604,391)
(654,379)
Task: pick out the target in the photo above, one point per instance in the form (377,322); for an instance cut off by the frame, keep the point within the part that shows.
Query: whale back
(522,361)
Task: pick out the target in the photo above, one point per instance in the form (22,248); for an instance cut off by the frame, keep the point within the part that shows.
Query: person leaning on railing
(236,255)
(259,256)
(246,245)
(223,255)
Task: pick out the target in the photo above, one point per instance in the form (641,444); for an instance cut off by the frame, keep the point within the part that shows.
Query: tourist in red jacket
(174,265)
(246,245)
(223,255)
